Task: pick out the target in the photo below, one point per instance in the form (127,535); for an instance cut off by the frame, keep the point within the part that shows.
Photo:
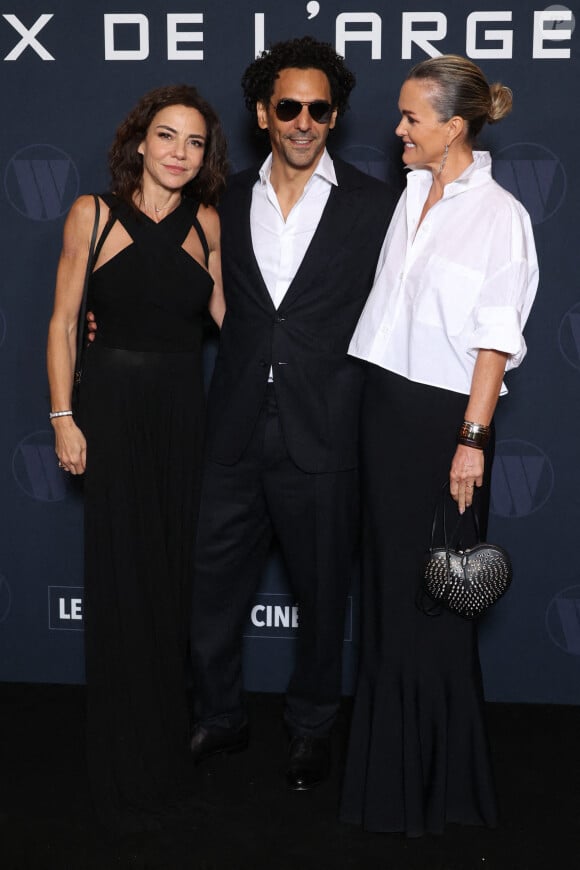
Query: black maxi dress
(418,753)
(141,409)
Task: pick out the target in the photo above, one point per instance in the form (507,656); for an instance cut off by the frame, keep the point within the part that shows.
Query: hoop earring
(444,160)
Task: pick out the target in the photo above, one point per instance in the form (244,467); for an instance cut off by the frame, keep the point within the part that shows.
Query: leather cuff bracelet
(473,435)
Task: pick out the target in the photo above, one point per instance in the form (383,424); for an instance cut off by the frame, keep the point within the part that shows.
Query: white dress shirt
(280,245)
(464,280)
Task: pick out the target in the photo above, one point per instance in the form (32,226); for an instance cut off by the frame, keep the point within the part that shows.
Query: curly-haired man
(300,239)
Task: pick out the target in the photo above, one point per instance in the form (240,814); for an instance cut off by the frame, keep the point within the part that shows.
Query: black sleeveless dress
(141,409)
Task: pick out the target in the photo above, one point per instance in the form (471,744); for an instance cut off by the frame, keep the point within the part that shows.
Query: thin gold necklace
(155,208)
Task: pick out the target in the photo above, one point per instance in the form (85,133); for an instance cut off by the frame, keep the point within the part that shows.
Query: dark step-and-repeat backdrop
(70,72)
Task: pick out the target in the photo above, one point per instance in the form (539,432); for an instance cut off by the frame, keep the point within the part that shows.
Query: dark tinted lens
(287,110)
(320,110)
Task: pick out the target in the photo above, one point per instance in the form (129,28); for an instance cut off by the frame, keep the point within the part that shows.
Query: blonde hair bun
(501,102)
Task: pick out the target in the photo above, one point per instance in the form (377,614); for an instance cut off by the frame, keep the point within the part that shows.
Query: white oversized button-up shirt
(464,280)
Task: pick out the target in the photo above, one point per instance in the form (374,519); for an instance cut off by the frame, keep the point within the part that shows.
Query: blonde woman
(443,323)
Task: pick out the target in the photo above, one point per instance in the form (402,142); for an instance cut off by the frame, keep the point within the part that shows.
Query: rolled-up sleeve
(507,293)
(498,318)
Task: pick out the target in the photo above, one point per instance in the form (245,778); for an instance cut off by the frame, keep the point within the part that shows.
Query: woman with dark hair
(456,280)
(137,437)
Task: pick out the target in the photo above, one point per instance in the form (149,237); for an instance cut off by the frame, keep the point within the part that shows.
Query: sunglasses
(287,110)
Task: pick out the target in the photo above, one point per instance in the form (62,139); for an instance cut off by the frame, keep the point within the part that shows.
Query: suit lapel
(337,227)
(334,230)
(242,205)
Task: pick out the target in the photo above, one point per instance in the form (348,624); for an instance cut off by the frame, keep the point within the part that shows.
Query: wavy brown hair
(126,164)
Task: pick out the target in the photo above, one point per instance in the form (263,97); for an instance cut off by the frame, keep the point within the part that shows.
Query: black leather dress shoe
(308,762)
(208,741)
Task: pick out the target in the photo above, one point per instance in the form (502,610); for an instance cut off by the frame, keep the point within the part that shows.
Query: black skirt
(418,753)
(142,413)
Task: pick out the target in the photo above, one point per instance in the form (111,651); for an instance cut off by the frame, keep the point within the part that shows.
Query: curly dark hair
(304,53)
(126,164)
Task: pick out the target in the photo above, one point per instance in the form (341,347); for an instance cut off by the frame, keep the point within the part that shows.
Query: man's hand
(91,326)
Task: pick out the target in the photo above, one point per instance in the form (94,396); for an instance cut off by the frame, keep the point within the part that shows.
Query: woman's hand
(70,446)
(466,473)
(467,467)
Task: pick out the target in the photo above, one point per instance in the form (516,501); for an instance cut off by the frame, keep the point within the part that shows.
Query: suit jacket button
(279,319)
(262,362)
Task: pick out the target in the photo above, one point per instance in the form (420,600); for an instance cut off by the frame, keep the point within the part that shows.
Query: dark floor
(245,819)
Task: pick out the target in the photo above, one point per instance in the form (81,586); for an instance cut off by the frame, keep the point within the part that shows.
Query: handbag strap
(83,305)
(441,503)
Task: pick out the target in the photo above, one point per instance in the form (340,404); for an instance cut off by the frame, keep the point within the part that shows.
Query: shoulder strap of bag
(110,200)
(83,306)
(199,230)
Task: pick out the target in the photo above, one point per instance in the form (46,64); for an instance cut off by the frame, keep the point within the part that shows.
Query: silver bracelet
(54,414)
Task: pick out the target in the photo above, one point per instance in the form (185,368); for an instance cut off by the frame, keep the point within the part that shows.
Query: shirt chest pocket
(447,294)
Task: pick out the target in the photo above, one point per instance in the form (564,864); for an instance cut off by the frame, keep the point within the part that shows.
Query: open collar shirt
(463,280)
(280,245)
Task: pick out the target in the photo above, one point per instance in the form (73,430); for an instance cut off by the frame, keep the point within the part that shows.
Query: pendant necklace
(155,209)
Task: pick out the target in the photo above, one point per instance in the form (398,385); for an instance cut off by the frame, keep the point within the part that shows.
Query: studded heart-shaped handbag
(465,581)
